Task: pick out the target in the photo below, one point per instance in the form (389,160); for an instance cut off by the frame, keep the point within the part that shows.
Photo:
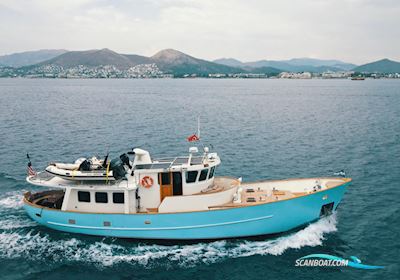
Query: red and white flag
(193,138)
(30,170)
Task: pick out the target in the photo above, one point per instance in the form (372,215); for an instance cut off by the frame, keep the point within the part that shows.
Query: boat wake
(34,245)
(14,222)
(12,200)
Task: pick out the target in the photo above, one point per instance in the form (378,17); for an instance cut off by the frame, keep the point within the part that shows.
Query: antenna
(198,132)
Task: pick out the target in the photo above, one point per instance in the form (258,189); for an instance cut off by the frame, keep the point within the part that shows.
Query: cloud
(351,30)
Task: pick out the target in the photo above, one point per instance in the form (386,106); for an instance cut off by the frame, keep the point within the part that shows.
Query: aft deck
(48,199)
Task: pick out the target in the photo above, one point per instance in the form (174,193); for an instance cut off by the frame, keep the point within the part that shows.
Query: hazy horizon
(353,31)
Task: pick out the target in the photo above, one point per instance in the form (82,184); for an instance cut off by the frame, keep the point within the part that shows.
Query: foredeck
(221,184)
(257,195)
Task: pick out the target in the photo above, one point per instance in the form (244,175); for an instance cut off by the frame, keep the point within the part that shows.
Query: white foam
(12,200)
(42,247)
(312,236)
(14,222)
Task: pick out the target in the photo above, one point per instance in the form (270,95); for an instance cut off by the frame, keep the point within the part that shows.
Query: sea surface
(262,129)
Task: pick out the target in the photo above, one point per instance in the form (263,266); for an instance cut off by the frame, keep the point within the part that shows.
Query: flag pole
(29,159)
(198,132)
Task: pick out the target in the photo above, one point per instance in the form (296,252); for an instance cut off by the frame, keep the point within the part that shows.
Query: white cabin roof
(180,161)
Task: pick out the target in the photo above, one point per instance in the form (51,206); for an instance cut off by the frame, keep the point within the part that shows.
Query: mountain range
(168,60)
(292,65)
(28,58)
(380,66)
(178,63)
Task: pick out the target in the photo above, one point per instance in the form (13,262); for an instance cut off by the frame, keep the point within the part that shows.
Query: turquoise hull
(269,218)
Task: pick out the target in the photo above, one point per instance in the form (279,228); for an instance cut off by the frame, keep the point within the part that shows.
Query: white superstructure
(142,184)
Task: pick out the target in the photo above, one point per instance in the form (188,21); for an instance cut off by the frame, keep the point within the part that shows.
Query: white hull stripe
(162,228)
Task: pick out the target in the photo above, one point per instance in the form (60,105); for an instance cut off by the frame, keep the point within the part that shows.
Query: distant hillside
(178,63)
(380,66)
(285,66)
(230,62)
(265,70)
(168,61)
(344,66)
(29,58)
(92,58)
(292,65)
(321,63)
(316,62)
(138,59)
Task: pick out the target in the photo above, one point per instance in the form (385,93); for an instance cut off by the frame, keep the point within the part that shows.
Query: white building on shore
(293,75)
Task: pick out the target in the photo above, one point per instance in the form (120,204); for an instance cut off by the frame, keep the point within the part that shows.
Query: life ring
(147,182)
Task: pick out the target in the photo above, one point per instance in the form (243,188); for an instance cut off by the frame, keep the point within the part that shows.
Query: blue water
(260,128)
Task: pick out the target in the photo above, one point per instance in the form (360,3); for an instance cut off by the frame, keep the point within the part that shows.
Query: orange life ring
(147,182)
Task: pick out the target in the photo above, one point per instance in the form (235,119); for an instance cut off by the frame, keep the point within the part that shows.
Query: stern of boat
(35,203)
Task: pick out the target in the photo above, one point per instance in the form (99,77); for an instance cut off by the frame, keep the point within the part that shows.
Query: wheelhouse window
(101,197)
(165,179)
(211,172)
(118,197)
(203,174)
(191,176)
(83,196)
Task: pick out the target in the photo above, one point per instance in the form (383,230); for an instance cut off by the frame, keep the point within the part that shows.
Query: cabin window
(211,172)
(101,197)
(118,197)
(191,176)
(203,174)
(165,179)
(83,196)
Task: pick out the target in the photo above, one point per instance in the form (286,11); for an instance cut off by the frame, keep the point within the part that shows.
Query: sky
(356,31)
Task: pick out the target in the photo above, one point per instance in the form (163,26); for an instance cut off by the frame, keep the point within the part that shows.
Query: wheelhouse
(140,185)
